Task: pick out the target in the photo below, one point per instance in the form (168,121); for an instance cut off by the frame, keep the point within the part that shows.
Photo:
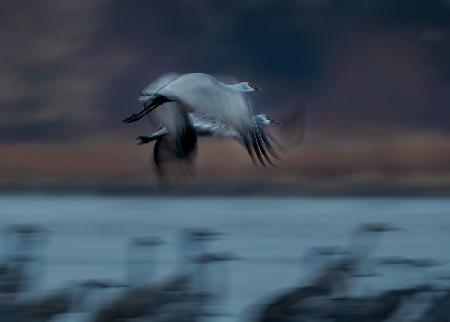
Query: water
(88,234)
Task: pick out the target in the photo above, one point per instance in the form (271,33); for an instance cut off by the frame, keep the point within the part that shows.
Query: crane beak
(257,89)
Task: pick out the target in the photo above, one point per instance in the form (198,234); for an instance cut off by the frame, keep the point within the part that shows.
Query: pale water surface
(88,234)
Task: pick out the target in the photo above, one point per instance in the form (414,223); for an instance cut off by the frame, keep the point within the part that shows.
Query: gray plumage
(198,104)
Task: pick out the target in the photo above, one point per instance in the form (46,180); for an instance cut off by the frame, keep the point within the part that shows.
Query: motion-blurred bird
(199,102)
(205,127)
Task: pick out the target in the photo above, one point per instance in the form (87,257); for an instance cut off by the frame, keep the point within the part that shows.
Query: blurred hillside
(374,75)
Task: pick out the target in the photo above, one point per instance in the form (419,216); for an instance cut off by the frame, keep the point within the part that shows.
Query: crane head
(252,87)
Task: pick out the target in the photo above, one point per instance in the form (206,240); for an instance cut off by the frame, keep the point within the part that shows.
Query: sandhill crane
(391,305)
(203,127)
(177,291)
(205,97)
(332,279)
(194,242)
(179,298)
(141,260)
(23,261)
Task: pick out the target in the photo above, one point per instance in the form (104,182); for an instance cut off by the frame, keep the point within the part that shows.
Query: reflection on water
(261,259)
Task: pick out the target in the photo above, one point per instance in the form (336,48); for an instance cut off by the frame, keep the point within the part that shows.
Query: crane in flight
(191,105)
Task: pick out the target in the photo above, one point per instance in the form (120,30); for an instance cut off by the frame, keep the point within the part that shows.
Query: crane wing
(175,150)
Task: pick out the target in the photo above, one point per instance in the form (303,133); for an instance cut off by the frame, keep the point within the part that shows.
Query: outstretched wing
(263,141)
(154,87)
(258,141)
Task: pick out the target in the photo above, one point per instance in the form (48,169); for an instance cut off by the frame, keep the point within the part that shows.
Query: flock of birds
(198,288)
(184,107)
(194,290)
(333,287)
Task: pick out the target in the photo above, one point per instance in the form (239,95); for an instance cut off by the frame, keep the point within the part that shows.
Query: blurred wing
(259,143)
(158,84)
(174,152)
(292,132)
(296,124)
(171,115)
(292,127)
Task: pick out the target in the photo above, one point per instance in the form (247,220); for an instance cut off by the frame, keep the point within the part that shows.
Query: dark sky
(372,69)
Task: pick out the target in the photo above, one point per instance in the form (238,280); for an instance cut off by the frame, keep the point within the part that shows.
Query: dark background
(373,74)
